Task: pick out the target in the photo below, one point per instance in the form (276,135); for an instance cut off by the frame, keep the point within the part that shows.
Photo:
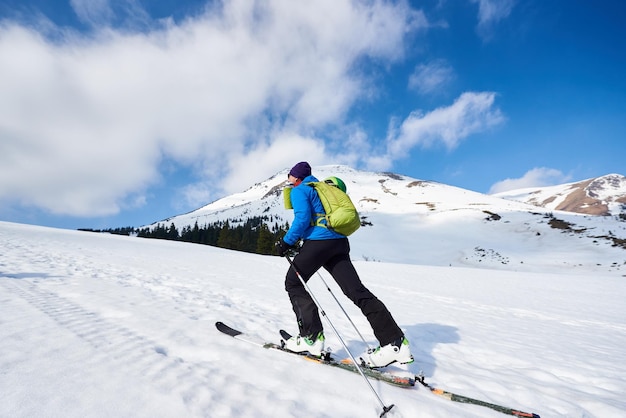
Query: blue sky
(125,112)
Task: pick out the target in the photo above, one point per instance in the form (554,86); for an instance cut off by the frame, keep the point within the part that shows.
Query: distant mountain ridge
(605,195)
(407,220)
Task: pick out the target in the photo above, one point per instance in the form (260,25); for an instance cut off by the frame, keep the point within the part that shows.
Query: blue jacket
(306,203)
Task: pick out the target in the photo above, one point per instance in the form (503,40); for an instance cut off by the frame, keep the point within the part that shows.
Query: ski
(387,377)
(464,399)
(326,359)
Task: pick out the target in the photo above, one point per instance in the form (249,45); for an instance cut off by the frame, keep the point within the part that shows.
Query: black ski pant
(334,256)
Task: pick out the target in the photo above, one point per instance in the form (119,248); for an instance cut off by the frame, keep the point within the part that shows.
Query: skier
(323,247)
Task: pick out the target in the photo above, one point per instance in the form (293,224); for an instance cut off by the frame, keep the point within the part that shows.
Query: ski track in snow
(118,346)
(98,325)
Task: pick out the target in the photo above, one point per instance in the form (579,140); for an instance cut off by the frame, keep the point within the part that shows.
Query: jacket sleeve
(303,213)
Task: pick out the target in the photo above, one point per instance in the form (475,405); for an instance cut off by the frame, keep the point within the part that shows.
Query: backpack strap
(319,219)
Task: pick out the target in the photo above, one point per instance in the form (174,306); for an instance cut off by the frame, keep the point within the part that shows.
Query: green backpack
(341,216)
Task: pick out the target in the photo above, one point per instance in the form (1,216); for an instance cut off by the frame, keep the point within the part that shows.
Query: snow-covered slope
(97,325)
(421,222)
(604,195)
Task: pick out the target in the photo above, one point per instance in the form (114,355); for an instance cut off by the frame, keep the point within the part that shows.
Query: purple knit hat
(301,170)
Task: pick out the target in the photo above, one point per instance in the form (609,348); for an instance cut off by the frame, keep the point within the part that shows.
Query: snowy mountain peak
(605,195)
(611,187)
(407,220)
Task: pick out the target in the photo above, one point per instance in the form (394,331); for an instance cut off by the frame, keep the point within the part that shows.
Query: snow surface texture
(100,325)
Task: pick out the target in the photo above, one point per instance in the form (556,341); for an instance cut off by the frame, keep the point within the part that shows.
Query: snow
(101,325)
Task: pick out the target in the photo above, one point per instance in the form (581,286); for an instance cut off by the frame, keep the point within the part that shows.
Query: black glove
(282,247)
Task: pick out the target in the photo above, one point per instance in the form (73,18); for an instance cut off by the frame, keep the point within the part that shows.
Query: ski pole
(344,311)
(358,367)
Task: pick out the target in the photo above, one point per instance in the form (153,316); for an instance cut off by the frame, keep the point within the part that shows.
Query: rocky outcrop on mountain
(605,196)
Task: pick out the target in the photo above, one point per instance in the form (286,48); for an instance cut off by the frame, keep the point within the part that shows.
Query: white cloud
(86,119)
(537,177)
(92,11)
(491,12)
(103,13)
(471,113)
(429,77)
(266,159)
(196,195)
(349,146)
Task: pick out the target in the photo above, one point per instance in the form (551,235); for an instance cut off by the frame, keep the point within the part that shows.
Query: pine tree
(225,237)
(265,242)
(172,232)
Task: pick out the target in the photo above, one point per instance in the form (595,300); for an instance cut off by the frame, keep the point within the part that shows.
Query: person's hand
(282,247)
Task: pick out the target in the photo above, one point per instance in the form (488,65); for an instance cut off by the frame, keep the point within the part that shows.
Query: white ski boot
(313,344)
(397,351)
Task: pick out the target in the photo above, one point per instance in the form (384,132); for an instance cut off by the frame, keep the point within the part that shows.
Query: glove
(282,247)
